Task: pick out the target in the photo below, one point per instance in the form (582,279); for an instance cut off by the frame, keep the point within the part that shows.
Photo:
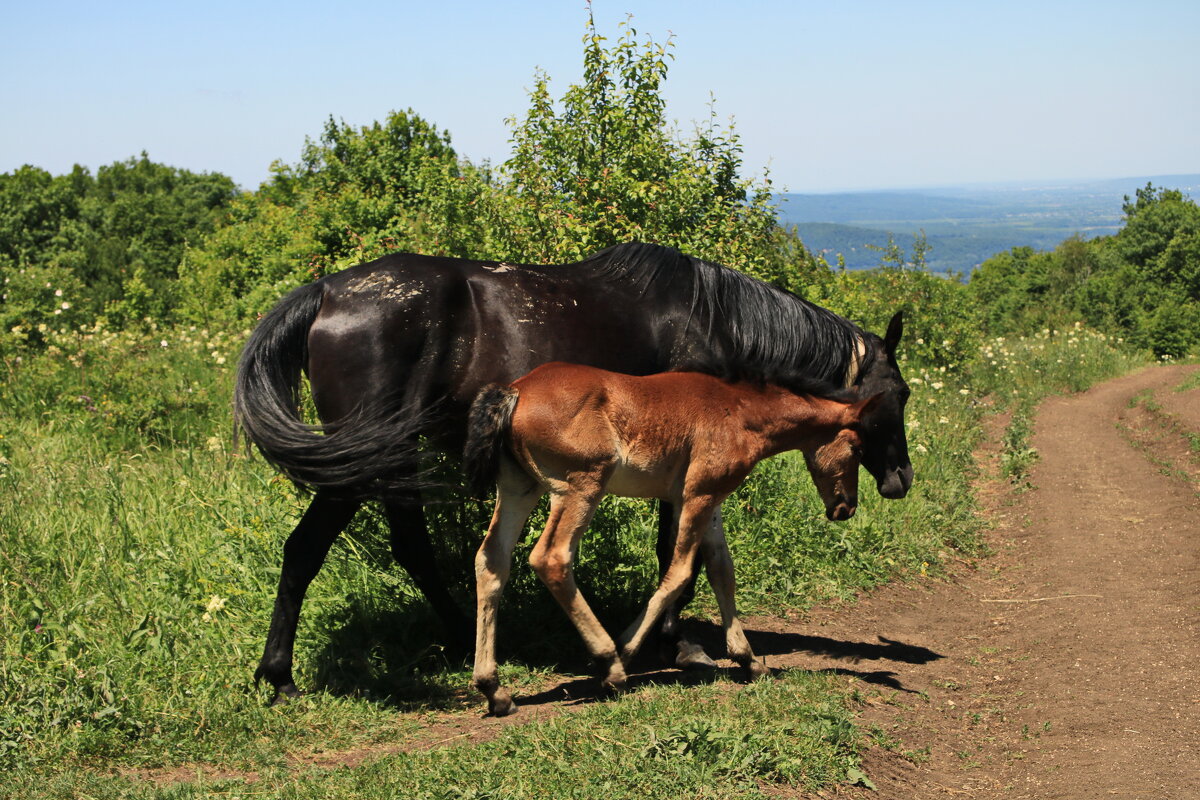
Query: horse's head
(833,461)
(884,444)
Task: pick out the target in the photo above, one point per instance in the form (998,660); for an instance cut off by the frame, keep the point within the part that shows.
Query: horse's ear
(891,339)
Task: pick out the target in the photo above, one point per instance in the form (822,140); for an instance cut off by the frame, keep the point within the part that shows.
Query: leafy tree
(1142,283)
(603,166)
(107,244)
(356,194)
(598,167)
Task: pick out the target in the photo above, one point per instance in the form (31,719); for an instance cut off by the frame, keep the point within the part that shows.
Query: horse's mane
(758,331)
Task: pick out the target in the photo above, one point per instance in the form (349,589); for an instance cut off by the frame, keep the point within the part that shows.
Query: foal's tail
(488,425)
(369,452)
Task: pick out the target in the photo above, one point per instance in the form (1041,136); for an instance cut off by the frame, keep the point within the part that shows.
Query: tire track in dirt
(1068,664)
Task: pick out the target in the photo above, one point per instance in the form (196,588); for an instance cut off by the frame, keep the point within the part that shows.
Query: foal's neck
(789,421)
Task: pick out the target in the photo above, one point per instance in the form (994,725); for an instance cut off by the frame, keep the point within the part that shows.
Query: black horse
(396,349)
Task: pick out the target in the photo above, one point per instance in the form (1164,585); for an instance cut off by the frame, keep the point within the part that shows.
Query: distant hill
(965,224)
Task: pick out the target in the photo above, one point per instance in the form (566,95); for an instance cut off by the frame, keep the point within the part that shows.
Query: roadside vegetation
(140,549)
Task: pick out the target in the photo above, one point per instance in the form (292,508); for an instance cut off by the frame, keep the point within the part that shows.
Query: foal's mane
(759,332)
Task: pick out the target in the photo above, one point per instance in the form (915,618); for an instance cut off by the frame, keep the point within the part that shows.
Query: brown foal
(690,439)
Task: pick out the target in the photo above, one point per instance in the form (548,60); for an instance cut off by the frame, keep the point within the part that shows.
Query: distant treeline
(1143,282)
(142,241)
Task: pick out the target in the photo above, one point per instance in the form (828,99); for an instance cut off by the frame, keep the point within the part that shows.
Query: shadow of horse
(386,652)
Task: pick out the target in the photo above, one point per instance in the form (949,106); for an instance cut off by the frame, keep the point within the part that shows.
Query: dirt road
(1068,665)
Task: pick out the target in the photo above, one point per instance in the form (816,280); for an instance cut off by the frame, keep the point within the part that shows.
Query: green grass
(1190,382)
(140,559)
(716,741)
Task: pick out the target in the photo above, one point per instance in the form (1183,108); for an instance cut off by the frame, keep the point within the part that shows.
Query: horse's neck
(754,344)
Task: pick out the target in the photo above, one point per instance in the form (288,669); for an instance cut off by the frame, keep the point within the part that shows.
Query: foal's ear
(891,339)
(856,411)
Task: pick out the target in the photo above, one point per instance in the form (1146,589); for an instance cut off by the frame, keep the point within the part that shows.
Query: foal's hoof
(615,681)
(613,686)
(756,669)
(501,705)
(692,656)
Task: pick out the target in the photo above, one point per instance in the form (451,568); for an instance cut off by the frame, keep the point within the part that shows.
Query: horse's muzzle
(896,483)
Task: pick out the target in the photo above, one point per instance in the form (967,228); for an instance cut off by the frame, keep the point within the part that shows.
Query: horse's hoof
(692,656)
(285,695)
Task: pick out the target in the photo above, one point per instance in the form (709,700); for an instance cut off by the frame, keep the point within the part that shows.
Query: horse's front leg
(687,655)
(413,550)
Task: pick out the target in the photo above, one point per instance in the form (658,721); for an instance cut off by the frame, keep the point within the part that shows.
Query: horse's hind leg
(687,655)
(552,556)
(515,499)
(719,564)
(303,554)
(413,550)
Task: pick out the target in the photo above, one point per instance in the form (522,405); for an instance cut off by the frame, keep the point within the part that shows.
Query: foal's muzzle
(842,509)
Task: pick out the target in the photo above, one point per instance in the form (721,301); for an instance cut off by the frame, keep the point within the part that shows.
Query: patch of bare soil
(1067,666)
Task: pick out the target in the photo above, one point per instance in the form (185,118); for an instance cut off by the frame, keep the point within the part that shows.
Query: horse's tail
(371,451)
(488,426)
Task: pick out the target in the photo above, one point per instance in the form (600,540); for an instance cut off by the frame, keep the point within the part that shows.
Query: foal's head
(833,461)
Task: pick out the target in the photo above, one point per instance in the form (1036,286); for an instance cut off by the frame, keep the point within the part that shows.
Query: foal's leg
(688,655)
(570,515)
(303,554)
(514,502)
(413,550)
(720,575)
(694,519)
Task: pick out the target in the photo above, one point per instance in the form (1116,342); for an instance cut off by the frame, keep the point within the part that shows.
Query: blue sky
(827,95)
